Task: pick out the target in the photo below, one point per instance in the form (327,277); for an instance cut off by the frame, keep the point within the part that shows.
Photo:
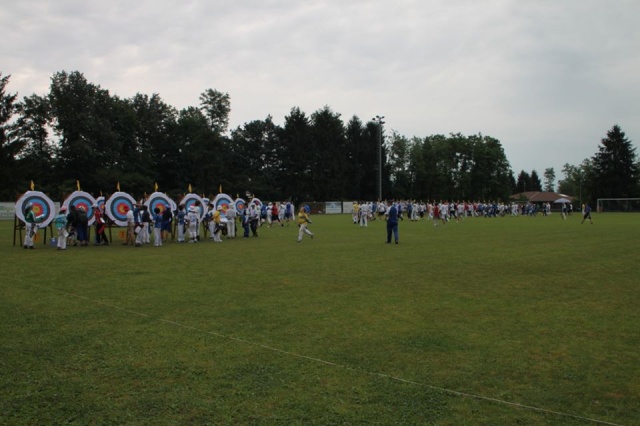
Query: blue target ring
(191,200)
(159,200)
(117,206)
(222,201)
(240,205)
(82,199)
(42,207)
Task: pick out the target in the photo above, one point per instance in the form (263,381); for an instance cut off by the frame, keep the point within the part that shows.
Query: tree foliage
(79,131)
(615,167)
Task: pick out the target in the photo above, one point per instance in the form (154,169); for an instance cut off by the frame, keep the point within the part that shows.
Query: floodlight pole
(378,120)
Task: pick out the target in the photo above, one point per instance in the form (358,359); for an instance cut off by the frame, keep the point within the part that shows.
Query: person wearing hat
(31,227)
(61,226)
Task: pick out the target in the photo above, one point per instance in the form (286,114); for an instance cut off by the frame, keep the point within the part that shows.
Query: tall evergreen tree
(9,146)
(31,130)
(216,106)
(615,167)
(523,183)
(549,179)
(535,183)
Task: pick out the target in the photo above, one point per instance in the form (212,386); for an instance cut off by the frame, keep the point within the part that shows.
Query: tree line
(78,131)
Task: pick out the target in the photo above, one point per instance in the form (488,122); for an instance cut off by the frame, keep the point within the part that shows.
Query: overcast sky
(547,78)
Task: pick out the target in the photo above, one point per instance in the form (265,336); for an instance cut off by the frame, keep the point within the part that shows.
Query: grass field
(486,322)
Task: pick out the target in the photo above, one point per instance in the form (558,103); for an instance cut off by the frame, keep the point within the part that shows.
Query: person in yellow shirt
(303,221)
(356,210)
(217,227)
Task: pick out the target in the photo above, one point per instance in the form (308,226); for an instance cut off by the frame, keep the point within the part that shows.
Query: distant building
(539,197)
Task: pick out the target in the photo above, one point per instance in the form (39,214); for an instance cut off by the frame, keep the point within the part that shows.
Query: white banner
(7,211)
(333,207)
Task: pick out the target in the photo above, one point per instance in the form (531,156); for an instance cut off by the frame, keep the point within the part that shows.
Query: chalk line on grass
(322,361)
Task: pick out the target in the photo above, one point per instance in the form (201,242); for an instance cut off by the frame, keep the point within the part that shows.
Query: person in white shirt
(364,215)
(193,220)
(231,214)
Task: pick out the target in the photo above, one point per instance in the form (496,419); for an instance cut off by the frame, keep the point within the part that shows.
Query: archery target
(117,205)
(256,202)
(160,201)
(81,199)
(190,200)
(43,207)
(100,201)
(240,205)
(222,200)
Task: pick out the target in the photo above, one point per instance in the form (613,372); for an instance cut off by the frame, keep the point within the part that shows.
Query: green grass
(461,324)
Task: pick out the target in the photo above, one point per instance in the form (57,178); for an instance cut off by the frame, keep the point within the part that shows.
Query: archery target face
(81,199)
(222,200)
(117,206)
(240,205)
(100,201)
(190,200)
(42,207)
(159,200)
(256,202)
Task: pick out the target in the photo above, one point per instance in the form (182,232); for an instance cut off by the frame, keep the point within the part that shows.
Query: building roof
(539,196)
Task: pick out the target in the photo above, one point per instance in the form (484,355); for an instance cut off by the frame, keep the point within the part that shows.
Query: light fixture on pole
(378,120)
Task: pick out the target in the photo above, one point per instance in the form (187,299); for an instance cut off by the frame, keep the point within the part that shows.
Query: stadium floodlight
(378,119)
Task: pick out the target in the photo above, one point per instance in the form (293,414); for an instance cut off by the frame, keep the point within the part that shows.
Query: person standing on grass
(587,213)
(83,227)
(392,222)
(180,222)
(193,221)
(61,226)
(101,226)
(216,219)
(245,222)
(167,221)
(157,227)
(31,226)
(254,219)
(131,226)
(303,222)
(231,214)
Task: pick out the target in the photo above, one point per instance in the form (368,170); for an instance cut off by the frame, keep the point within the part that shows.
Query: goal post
(618,205)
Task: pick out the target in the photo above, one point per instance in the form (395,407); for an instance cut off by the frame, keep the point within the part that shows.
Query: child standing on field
(157,227)
(61,226)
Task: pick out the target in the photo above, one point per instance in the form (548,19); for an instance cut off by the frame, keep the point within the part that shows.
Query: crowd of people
(445,211)
(190,224)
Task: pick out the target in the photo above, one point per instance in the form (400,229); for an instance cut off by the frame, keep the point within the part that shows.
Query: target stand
(19,226)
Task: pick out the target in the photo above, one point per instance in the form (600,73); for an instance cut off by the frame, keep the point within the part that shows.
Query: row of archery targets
(117,205)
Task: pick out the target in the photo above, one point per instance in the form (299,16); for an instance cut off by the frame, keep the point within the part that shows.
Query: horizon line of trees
(80,132)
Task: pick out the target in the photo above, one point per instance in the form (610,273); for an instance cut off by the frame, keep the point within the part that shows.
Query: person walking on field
(392,222)
(587,213)
(303,221)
